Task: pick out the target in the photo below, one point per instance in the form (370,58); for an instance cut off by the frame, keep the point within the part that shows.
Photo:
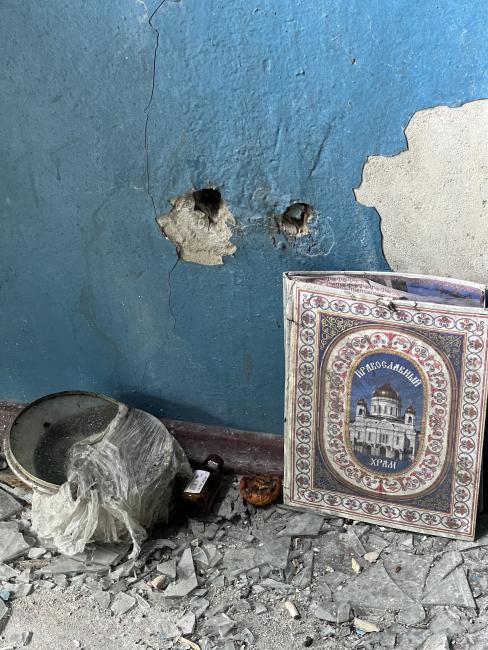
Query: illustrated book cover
(385,398)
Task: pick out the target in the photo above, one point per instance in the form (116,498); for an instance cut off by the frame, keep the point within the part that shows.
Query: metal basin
(42,433)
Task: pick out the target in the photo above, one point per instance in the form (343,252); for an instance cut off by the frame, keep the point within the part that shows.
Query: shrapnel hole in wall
(294,220)
(209,201)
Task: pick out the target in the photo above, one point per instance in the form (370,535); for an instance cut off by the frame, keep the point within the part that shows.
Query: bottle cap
(214,461)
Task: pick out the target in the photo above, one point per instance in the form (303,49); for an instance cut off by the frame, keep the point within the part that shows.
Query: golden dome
(386,391)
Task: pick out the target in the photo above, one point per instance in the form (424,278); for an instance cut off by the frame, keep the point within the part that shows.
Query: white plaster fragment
(198,237)
(433,197)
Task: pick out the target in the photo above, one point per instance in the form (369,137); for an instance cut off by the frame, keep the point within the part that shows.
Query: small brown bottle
(202,490)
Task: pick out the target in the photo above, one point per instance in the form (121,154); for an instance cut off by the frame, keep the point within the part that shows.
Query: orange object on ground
(260,490)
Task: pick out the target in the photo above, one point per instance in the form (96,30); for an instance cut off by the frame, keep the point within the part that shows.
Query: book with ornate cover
(385,398)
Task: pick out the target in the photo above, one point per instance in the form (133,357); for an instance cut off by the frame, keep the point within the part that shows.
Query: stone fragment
(412,615)
(186,577)
(371,557)
(325,613)
(241,606)
(169,632)
(12,544)
(307,524)
(355,565)
(228,645)
(246,636)
(210,530)
(214,556)
(291,609)
(303,578)
(7,572)
(122,571)
(167,569)
(242,560)
(365,626)
(232,504)
(447,563)
(409,571)
(159,582)
(8,505)
(335,578)
(20,591)
(197,527)
(343,612)
(453,590)
(240,535)
(352,541)
(337,522)
(142,602)
(3,610)
(122,603)
(199,557)
(65,565)
(199,606)
(269,583)
(24,577)
(260,608)
(219,625)
(77,582)
(186,624)
(274,551)
(219,581)
(103,598)
(36,552)
(373,588)
(447,622)
(377,543)
(413,637)
(26,638)
(407,540)
(322,591)
(436,642)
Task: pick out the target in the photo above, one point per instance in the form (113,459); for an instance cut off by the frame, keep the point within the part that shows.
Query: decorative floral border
(460,522)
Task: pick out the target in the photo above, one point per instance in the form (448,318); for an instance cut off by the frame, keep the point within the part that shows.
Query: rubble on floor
(245,578)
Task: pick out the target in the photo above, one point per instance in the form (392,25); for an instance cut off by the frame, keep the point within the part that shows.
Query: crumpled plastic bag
(120,483)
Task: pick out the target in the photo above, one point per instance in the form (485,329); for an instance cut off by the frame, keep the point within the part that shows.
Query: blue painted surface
(271,101)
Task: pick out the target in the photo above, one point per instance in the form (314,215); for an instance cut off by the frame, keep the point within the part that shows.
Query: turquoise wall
(270,101)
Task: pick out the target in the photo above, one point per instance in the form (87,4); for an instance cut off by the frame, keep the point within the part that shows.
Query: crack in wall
(148,107)
(170,288)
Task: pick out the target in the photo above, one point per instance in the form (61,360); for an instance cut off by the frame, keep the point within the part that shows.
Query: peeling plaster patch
(432,197)
(199,227)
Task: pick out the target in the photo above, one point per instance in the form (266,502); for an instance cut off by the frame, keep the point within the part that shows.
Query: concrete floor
(346,581)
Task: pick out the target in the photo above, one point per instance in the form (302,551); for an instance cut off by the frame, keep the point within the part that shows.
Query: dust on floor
(232,580)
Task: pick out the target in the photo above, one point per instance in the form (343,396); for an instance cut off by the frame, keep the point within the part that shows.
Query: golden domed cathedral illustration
(382,430)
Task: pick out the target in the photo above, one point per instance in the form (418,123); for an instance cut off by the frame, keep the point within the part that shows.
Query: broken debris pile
(119,481)
(258,579)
